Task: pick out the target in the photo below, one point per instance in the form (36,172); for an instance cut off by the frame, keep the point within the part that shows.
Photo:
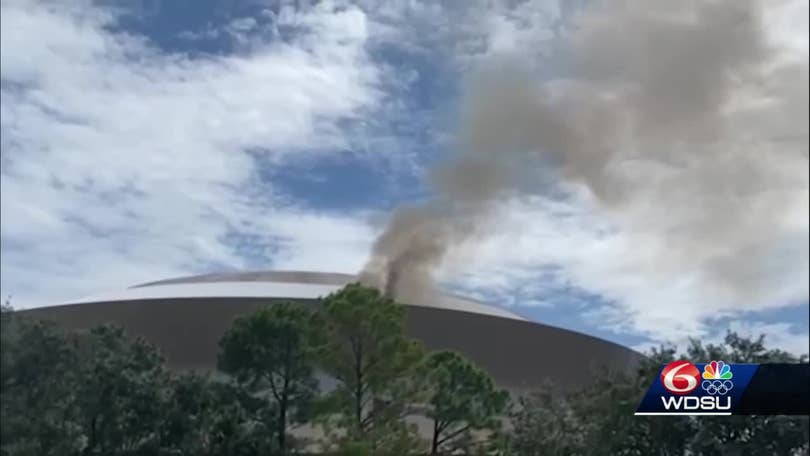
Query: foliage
(121,391)
(464,400)
(376,367)
(210,417)
(271,353)
(748,435)
(37,416)
(100,392)
(598,420)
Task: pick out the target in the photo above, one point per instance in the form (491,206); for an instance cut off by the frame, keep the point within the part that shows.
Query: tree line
(339,378)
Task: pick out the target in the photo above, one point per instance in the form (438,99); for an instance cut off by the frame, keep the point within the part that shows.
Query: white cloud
(457,33)
(786,22)
(123,164)
(528,28)
(777,335)
(541,246)
(781,336)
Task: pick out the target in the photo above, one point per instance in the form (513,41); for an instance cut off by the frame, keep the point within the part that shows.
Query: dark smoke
(680,119)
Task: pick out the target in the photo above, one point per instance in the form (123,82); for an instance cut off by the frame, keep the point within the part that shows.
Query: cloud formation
(123,163)
(683,127)
(651,200)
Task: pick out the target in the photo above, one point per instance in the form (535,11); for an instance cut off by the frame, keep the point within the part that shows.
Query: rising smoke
(681,120)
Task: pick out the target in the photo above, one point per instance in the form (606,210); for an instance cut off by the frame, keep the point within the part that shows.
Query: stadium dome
(186,318)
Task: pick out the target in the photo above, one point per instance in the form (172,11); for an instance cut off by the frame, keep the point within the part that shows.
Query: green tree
(100,392)
(274,350)
(377,369)
(598,419)
(217,418)
(37,416)
(545,424)
(121,391)
(747,435)
(464,400)
(189,415)
(606,409)
(78,393)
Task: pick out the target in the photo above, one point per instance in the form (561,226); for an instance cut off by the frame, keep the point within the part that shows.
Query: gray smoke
(680,119)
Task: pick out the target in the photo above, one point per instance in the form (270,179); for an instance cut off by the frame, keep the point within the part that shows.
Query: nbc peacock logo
(717,377)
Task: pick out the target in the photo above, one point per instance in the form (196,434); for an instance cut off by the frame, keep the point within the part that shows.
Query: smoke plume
(681,120)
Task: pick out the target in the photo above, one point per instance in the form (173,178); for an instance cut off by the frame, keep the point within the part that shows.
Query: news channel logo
(686,388)
(683,377)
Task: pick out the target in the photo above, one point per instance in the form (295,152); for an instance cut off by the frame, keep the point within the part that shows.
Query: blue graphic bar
(717,388)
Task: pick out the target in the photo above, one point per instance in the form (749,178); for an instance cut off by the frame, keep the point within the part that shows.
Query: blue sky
(165,139)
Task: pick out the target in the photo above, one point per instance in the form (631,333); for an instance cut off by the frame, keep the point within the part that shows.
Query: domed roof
(323,278)
(272,284)
(186,317)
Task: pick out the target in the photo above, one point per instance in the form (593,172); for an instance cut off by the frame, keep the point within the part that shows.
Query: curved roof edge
(287,285)
(325,278)
(272,284)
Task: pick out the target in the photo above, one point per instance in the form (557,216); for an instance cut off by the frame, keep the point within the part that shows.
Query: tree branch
(454,434)
(273,388)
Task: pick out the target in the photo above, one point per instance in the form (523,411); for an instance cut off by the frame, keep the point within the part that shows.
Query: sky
(154,139)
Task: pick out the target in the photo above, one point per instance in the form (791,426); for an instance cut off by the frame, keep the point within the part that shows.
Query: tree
(100,392)
(748,435)
(217,418)
(463,400)
(606,409)
(545,424)
(78,393)
(274,350)
(598,419)
(121,391)
(37,416)
(376,368)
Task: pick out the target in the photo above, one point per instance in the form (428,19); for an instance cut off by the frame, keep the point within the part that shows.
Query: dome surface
(186,317)
(272,284)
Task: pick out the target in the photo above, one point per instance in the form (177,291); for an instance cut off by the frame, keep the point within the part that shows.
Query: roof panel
(270,284)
